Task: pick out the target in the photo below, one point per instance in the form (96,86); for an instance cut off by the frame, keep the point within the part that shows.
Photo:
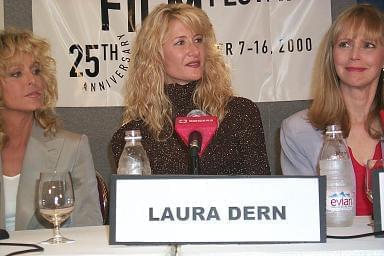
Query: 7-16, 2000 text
(263,46)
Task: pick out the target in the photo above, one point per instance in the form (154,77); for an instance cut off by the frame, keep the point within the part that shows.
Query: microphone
(196,130)
(197,121)
(194,140)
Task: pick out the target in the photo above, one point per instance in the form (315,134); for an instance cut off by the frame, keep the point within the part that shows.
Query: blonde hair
(145,98)
(14,43)
(328,105)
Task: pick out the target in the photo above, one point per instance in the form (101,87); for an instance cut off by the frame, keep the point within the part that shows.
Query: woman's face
(358,60)
(23,86)
(184,54)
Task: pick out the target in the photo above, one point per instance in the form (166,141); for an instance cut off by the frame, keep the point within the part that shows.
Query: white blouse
(11,184)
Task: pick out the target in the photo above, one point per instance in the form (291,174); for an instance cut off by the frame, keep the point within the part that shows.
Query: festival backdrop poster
(1,14)
(269,45)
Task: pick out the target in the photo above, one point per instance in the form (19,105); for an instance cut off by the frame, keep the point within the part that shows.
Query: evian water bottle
(336,164)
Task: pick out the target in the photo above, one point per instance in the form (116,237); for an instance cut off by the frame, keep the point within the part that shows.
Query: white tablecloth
(94,241)
(88,241)
(369,246)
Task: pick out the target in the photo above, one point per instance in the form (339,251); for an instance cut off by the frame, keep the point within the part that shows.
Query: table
(369,246)
(94,241)
(89,241)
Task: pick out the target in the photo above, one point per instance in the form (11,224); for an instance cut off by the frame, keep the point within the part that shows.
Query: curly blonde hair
(15,42)
(328,106)
(145,98)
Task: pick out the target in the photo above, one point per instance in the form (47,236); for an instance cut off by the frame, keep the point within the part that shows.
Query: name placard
(216,209)
(378,200)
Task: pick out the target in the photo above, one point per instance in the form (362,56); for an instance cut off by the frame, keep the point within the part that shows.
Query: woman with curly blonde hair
(348,91)
(177,67)
(30,139)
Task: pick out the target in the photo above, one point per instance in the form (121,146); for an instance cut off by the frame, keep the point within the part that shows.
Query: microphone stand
(195,160)
(194,149)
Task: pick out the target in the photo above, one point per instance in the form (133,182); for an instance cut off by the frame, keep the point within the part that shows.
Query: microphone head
(195,140)
(196,112)
(206,125)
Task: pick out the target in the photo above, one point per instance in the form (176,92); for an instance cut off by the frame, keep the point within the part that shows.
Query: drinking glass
(56,202)
(372,166)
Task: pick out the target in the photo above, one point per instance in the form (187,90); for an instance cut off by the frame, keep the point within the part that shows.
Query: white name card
(378,201)
(216,209)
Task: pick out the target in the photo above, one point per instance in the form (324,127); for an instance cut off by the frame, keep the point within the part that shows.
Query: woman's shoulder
(64,133)
(237,100)
(67,133)
(297,120)
(298,123)
(243,105)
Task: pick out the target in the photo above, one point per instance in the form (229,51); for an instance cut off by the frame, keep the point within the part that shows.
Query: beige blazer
(65,151)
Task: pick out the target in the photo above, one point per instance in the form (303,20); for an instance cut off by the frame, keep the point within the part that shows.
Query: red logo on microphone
(194,120)
(206,125)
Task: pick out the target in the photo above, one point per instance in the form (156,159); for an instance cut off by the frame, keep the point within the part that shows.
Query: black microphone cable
(5,235)
(35,248)
(378,233)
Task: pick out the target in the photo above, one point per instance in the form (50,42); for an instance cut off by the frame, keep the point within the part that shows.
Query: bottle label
(339,201)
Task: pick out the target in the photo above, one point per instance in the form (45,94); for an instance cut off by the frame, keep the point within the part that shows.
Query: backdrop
(1,14)
(270,45)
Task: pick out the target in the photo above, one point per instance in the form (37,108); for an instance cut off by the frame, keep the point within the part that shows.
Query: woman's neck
(358,102)
(17,127)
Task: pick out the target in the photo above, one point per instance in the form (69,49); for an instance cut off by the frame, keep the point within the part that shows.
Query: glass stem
(56,230)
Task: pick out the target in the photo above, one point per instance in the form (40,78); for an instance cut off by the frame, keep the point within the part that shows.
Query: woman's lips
(34,94)
(194,64)
(355,69)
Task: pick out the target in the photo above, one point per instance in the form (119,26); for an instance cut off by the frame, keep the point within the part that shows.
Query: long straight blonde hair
(328,106)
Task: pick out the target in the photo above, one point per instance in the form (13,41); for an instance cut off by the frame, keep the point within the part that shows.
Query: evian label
(340,200)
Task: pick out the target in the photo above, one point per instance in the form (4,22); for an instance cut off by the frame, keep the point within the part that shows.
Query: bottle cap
(333,128)
(132,135)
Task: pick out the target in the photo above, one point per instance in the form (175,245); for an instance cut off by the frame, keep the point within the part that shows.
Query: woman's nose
(31,78)
(355,53)
(193,49)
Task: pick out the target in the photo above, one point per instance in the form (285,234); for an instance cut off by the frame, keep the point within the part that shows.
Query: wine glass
(56,202)
(372,166)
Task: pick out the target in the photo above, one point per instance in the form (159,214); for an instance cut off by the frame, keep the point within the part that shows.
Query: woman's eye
(369,45)
(15,74)
(36,71)
(199,39)
(344,44)
(180,42)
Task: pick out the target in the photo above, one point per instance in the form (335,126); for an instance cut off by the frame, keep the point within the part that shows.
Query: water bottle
(133,159)
(336,164)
